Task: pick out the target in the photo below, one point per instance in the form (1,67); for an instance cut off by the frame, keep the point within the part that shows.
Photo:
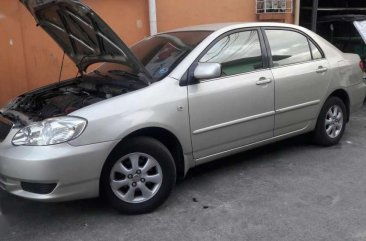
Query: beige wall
(180,13)
(29,58)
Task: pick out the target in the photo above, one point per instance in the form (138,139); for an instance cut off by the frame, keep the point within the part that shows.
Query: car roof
(231,25)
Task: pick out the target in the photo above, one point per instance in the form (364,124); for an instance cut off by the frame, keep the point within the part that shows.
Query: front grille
(5,127)
(39,188)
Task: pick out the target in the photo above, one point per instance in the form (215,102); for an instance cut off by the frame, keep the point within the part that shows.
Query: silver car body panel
(211,105)
(211,119)
(296,100)
(76,170)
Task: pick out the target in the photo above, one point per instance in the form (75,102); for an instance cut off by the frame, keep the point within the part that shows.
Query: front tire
(139,176)
(331,122)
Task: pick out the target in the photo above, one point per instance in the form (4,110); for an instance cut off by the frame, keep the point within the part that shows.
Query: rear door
(301,78)
(237,108)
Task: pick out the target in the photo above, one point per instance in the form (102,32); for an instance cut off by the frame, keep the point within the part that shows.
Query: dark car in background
(345,32)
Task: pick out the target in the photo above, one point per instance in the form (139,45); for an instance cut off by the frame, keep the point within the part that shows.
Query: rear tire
(331,122)
(139,176)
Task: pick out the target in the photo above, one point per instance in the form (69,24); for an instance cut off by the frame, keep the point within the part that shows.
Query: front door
(237,108)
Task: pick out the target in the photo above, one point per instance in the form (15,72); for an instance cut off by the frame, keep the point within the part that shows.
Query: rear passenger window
(288,47)
(315,51)
(237,53)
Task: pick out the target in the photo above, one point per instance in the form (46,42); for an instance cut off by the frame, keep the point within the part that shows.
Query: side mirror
(207,71)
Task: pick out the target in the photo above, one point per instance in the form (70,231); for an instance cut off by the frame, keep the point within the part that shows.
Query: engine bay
(66,97)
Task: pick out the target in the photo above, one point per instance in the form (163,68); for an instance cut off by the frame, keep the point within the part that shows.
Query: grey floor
(287,191)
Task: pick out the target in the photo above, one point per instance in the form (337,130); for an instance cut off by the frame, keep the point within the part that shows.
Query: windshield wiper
(122,73)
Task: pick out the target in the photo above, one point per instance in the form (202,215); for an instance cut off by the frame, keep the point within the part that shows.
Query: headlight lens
(50,131)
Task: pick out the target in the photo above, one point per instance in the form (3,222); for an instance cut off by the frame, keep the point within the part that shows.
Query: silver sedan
(136,119)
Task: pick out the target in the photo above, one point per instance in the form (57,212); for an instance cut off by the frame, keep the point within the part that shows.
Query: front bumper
(74,169)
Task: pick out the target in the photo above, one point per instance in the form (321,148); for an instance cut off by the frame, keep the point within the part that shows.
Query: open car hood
(82,34)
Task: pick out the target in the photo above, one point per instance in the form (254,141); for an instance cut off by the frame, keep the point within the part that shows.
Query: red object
(362,65)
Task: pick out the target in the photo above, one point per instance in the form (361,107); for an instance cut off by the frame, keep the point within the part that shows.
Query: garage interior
(312,10)
(333,20)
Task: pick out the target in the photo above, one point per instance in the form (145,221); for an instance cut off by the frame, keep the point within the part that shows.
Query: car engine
(65,98)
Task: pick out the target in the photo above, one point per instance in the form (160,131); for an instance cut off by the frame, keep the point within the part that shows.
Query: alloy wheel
(136,177)
(334,121)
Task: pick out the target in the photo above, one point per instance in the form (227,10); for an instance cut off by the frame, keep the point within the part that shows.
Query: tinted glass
(315,51)
(237,53)
(161,53)
(288,47)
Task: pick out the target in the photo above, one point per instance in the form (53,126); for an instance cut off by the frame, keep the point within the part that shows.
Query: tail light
(362,66)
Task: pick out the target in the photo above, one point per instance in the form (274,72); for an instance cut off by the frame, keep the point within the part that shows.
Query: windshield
(159,54)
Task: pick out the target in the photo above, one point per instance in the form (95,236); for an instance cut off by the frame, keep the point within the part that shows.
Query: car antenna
(62,66)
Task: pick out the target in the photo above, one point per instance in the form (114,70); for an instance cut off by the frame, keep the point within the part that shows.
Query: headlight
(50,131)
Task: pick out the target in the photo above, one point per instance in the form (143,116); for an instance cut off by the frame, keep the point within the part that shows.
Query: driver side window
(237,53)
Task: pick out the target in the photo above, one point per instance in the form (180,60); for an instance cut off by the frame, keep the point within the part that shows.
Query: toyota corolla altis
(136,119)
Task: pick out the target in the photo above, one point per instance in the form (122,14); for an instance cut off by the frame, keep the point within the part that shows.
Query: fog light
(38,188)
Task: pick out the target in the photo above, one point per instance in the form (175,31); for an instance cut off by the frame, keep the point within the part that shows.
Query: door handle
(263,81)
(321,69)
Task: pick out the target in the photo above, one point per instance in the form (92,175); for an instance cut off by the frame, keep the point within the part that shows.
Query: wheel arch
(167,138)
